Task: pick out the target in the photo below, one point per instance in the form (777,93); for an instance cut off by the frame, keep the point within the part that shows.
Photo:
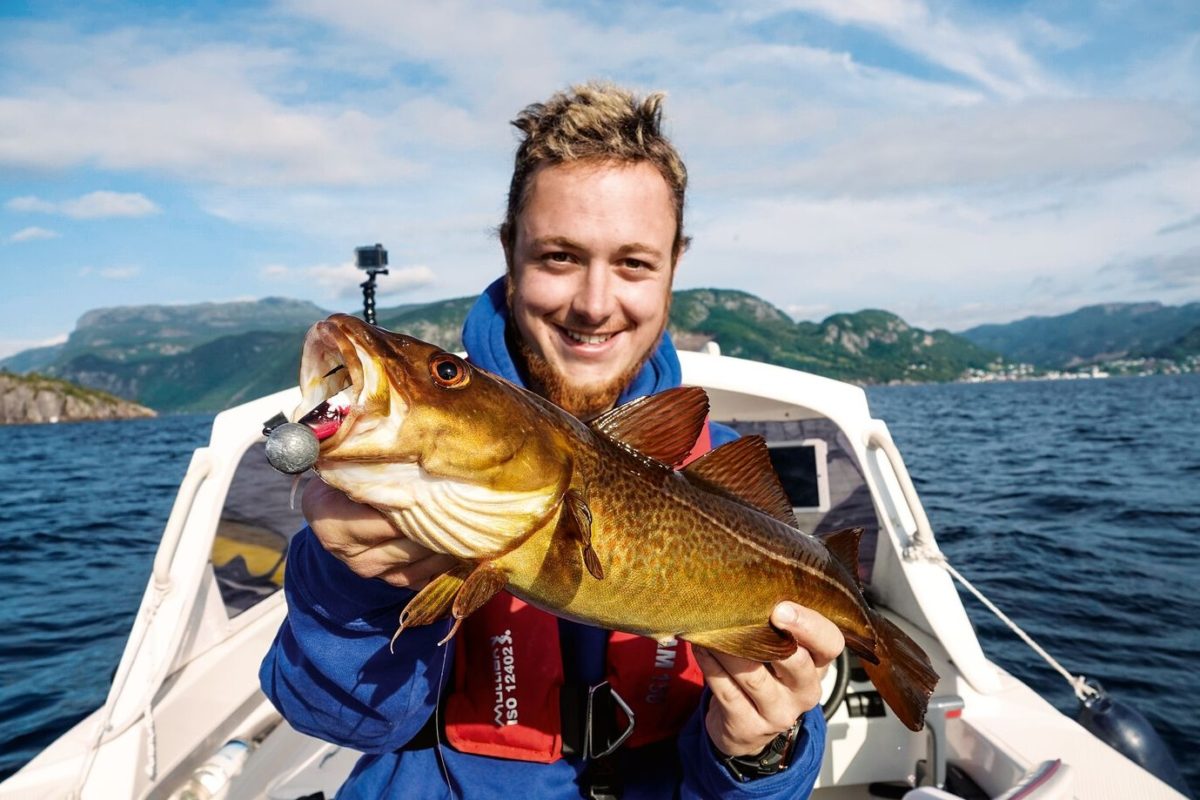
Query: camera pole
(373,260)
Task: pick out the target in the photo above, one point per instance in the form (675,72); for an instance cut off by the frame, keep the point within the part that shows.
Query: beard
(584,401)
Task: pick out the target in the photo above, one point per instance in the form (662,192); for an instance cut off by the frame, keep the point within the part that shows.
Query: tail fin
(904,677)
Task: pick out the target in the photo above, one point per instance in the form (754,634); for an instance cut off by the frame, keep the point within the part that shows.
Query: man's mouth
(586,338)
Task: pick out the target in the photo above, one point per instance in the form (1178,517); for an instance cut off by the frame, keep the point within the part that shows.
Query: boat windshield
(257,523)
(822,478)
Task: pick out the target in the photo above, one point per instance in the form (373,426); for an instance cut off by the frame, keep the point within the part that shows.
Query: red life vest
(508,674)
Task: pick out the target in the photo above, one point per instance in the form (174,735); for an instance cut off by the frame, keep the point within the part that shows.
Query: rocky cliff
(34,398)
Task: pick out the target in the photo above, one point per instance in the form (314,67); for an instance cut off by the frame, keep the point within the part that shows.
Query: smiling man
(592,238)
(591,258)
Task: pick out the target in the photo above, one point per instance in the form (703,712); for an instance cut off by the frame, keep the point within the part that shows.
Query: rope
(1083,690)
(105,723)
(151,739)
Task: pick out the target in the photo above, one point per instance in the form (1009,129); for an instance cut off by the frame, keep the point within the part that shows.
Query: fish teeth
(343,399)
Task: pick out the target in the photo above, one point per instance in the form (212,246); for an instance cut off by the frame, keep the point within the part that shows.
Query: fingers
(366,542)
(417,574)
(751,701)
(733,723)
(749,693)
(337,519)
(814,633)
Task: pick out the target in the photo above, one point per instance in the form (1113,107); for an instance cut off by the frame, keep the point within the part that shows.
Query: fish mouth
(334,383)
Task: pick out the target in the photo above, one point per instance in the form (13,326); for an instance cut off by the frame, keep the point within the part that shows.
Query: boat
(185,708)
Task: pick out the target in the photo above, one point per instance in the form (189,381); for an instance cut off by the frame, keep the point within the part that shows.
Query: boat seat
(1050,780)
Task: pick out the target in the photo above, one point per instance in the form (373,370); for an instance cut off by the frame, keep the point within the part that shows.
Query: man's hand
(752,702)
(366,542)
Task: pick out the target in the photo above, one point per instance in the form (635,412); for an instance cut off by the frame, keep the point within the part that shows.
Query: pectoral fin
(434,601)
(577,524)
(479,587)
(755,642)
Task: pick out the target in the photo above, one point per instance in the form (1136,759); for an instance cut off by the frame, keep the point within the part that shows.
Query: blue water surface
(1075,506)
(82,507)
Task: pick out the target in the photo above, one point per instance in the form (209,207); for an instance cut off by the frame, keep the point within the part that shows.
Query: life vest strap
(590,724)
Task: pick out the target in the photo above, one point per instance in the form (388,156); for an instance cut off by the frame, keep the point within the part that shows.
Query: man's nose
(594,299)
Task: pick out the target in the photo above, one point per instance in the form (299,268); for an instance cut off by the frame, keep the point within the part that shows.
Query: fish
(589,521)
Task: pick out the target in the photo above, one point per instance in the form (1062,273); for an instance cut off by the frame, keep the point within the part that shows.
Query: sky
(955,163)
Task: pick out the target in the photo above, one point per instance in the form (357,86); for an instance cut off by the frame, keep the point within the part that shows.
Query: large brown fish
(587,521)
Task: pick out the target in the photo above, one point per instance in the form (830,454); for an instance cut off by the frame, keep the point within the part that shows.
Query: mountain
(193,357)
(867,346)
(1185,346)
(215,375)
(1091,334)
(36,398)
(209,356)
(131,333)
(438,323)
(36,359)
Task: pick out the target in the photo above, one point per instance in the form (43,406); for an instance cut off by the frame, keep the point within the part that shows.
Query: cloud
(94,205)
(100,205)
(32,234)
(119,273)
(1165,272)
(898,251)
(809,311)
(110,273)
(342,281)
(32,205)
(985,53)
(1181,225)
(871,153)
(1026,143)
(13,346)
(167,100)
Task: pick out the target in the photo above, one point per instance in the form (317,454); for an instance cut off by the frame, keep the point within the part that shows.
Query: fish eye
(448,371)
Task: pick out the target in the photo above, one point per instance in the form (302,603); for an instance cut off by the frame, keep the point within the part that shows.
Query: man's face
(590,280)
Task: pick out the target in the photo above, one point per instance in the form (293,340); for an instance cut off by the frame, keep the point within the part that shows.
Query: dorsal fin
(843,546)
(742,471)
(663,426)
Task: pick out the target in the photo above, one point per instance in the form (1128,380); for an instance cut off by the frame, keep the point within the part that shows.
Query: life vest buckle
(602,704)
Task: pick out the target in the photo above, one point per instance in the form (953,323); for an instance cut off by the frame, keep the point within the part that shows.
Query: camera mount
(373,260)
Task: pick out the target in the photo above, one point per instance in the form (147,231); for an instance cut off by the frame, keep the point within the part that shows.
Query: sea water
(1074,505)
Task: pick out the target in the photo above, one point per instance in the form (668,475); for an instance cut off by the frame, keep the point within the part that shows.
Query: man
(592,238)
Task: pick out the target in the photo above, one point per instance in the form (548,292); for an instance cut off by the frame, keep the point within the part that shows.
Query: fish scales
(659,581)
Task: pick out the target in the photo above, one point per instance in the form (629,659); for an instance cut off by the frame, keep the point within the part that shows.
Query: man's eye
(558,258)
(636,263)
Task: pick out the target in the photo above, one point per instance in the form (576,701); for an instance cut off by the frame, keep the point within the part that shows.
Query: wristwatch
(771,760)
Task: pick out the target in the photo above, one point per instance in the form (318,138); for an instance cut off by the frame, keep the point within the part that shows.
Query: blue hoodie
(331,674)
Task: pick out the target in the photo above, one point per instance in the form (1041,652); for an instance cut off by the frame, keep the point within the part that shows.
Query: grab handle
(197,472)
(880,438)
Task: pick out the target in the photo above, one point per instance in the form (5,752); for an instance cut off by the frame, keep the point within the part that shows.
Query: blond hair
(594,122)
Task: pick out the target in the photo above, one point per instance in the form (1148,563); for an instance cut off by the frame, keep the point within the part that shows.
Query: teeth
(342,400)
(584,338)
(332,389)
